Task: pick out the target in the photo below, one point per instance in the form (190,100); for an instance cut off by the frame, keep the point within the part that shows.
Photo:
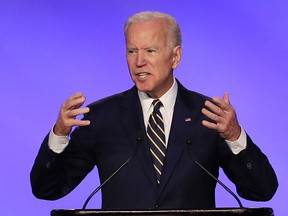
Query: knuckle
(65,123)
(219,109)
(217,118)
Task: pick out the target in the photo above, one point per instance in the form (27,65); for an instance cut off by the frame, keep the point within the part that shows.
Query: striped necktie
(156,135)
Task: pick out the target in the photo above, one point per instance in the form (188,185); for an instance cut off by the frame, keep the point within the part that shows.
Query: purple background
(52,49)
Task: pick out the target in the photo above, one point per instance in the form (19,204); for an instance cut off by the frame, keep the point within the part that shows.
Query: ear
(177,54)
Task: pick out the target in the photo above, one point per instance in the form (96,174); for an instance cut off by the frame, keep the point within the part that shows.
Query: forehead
(148,31)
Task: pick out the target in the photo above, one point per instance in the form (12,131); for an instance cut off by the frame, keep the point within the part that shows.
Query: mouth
(142,75)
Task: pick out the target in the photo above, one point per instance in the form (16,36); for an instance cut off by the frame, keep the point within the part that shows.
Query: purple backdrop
(51,49)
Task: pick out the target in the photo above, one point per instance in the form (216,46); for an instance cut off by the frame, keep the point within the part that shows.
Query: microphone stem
(221,183)
(139,139)
(100,186)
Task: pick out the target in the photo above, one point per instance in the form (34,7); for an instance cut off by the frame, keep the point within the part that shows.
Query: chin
(142,86)
(143,89)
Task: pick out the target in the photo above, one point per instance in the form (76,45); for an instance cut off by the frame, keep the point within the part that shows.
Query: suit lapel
(133,124)
(181,129)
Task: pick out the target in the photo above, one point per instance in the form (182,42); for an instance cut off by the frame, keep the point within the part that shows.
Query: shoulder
(191,98)
(116,99)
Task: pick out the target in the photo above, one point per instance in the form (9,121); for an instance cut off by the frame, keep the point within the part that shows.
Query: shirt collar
(168,99)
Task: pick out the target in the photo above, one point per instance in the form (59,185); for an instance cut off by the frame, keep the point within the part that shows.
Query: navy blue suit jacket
(117,131)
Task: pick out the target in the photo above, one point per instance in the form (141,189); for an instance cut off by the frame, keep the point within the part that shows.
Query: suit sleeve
(55,175)
(252,173)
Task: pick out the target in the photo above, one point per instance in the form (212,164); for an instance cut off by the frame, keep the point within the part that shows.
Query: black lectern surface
(208,212)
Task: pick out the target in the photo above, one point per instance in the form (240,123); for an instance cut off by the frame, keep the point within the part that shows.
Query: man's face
(150,60)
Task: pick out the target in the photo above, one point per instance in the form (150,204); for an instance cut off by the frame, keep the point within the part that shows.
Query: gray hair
(175,37)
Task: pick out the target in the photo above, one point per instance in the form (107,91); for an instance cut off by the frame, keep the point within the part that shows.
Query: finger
(77,101)
(217,100)
(223,103)
(64,130)
(226,101)
(74,102)
(226,98)
(80,123)
(211,115)
(75,112)
(210,125)
(214,108)
(76,95)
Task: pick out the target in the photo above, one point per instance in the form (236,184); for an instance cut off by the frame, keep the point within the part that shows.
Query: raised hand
(70,109)
(223,116)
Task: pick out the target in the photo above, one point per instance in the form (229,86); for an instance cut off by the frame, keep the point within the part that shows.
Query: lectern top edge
(195,212)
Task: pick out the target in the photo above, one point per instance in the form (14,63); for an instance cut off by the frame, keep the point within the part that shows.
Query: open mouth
(142,75)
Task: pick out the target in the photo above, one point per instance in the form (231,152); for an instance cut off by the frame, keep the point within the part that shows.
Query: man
(192,128)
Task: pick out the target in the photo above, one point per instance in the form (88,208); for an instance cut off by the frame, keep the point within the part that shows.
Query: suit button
(48,165)
(249,165)
(156,206)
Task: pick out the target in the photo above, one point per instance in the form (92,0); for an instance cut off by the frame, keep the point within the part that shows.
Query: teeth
(142,75)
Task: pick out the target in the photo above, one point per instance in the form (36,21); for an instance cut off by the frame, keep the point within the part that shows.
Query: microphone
(138,139)
(189,142)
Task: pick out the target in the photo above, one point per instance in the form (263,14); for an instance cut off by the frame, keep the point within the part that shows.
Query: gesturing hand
(224,117)
(70,109)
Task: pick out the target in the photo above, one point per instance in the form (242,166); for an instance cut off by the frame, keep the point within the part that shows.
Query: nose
(140,59)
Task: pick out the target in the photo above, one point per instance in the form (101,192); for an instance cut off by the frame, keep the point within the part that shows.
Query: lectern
(207,212)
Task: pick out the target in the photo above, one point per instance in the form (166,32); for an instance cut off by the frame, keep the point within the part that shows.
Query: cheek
(165,65)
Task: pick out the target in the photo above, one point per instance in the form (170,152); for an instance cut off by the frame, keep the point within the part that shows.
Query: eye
(150,50)
(131,51)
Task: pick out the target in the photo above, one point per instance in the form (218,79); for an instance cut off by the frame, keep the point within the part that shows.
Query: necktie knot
(157,104)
